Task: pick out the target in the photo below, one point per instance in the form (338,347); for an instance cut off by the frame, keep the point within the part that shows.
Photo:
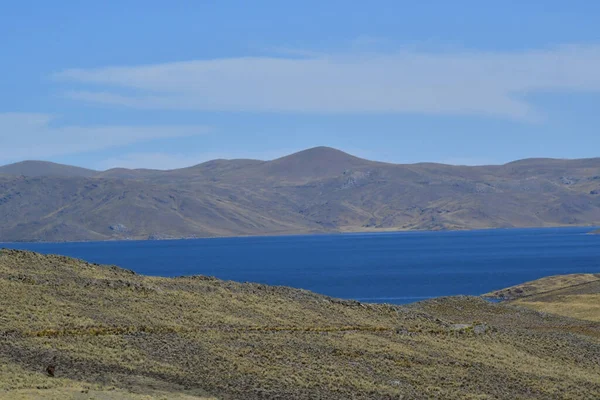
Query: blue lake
(391,267)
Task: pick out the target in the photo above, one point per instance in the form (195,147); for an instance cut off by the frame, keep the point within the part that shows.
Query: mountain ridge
(319,190)
(44,168)
(319,153)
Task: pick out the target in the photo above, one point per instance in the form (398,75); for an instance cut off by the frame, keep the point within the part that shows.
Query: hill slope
(574,295)
(45,168)
(109,331)
(317,190)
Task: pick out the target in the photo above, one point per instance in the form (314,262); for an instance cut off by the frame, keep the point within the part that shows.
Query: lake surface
(388,267)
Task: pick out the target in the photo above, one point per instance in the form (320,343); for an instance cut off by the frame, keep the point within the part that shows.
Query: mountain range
(319,190)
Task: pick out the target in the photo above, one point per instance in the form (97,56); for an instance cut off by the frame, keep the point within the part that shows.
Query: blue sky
(170,84)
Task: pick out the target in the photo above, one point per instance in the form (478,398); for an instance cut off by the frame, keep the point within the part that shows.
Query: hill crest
(314,162)
(36,168)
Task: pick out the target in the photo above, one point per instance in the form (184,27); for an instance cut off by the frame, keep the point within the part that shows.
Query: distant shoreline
(594,231)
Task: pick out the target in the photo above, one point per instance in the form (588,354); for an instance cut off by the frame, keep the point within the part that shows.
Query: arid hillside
(575,295)
(314,191)
(109,333)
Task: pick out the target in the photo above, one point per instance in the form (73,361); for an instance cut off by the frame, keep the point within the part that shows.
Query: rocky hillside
(317,190)
(109,333)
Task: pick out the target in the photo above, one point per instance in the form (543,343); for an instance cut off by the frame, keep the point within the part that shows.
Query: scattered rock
(460,327)
(119,228)
(480,329)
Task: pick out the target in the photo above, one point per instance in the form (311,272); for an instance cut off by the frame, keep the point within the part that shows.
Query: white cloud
(468,83)
(32,136)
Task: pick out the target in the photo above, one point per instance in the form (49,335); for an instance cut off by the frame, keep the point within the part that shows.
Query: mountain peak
(321,152)
(317,162)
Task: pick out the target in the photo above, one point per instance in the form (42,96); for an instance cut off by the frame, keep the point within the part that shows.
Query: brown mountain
(316,190)
(45,168)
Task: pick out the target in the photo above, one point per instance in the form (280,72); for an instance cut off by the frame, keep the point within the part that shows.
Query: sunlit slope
(316,190)
(575,295)
(109,331)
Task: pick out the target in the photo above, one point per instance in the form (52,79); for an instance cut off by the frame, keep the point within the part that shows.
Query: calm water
(393,268)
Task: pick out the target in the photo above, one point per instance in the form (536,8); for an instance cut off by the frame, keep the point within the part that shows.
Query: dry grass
(583,306)
(112,332)
(83,393)
(574,295)
(22,383)
(544,285)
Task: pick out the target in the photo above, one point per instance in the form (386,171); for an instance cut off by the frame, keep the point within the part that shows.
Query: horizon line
(332,149)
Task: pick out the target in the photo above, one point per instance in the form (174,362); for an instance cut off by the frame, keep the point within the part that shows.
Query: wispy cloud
(32,136)
(464,83)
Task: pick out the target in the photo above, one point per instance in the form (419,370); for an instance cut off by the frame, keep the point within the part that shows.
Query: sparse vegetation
(544,285)
(315,191)
(574,295)
(113,333)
